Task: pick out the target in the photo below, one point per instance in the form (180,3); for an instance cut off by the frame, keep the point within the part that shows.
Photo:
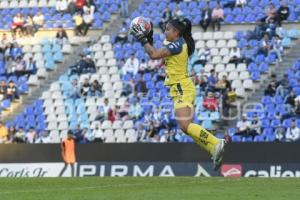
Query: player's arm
(156,53)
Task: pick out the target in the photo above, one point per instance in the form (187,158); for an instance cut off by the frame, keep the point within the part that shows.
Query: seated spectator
(244,127)
(217,16)
(177,13)
(61,6)
(88,19)
(20,68)
(292,133)
(282,13)
(128,88)
(229,4)
(112,114)
(89,6)
(270,13)
(166,16)
(31,135)
(12,91)
(30,67)
(212,80)
(79,5)
(3,133)
(3,90)
(131,66)
(85,88)
(44,138)
(78,134)
(79,24)
(135,110)
(16,51)
(103,111)
(260,30)
(277,47)
(122,34)
(73,93)
(256,125)
(290,99)
(20,135)
(265,46)
(140,87)
(204,55)
(98,134)
(143,67)
(235,56)
(18,24)
(240,3)
(210,102)
(123,111)
(205,18)
(7,51)
(79,67)
(38,20)
(202,82)
(223,84)
(29,25)
(90,65)
(280,133)
(271,90)
(95,89)
(271,28)
(62,35)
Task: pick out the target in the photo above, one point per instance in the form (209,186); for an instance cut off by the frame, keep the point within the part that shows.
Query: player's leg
(204,138)
(63,170)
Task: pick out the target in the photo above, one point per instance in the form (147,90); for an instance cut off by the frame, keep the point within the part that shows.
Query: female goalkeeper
(182,89)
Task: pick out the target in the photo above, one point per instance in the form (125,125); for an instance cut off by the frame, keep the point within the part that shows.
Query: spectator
(3,90)
(256,125)
(80,66)
(62,35)
(78,134)
(265,46)
(166,16)
(44,138)
(271,28)
(16,51)
(282,13)
(79,5)
(202,82)
(153,65)
(85,88)
(244,127)
(280,133)
(292,133)
(212,80)
(270,13)
(89,6)
(235,56)
(73,93)
(277,47)
(229,4)
(79,24)
(122,34)
(18,24)
(217,16)
(98,134)
(7,51)
(204,56)
(271,90)
(131,66)
(290,99)
(88,19)
(95,89)
(135,110)
(128,88)
(12,91)
(240,3)
(61,6)
(140,87)
(97,86)
(205,18)
(29,25)
(30,67)
(112,114)
(19,69)
(223,84)
(20,135)
(72,7)
(103,111)
(210,102)
(124,8)
(68,153)
(11,135)
(38,20)
(177,13)
(123,112)
(3,133)
(143,67)
(90,65)
(260,30)
(31,135)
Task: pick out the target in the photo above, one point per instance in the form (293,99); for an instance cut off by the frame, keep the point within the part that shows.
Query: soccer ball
(144,23)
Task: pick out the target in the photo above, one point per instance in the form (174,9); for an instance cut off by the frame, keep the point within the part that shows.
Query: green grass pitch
(156,188)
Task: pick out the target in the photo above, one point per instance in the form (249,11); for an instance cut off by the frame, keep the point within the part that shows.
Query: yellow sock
(202,137)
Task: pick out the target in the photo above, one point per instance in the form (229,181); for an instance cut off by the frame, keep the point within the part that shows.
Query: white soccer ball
(144,23)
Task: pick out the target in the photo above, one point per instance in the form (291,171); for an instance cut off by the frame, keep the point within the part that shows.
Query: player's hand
(139,34)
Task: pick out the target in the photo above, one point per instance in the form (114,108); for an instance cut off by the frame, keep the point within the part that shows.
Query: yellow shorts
(183,94)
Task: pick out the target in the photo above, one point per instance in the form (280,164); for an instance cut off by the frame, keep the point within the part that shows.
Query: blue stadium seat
(236,138)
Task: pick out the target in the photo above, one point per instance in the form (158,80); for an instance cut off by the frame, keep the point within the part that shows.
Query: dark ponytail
(184,26)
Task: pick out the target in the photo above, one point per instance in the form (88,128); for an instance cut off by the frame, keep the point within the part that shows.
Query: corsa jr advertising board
(163,169)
